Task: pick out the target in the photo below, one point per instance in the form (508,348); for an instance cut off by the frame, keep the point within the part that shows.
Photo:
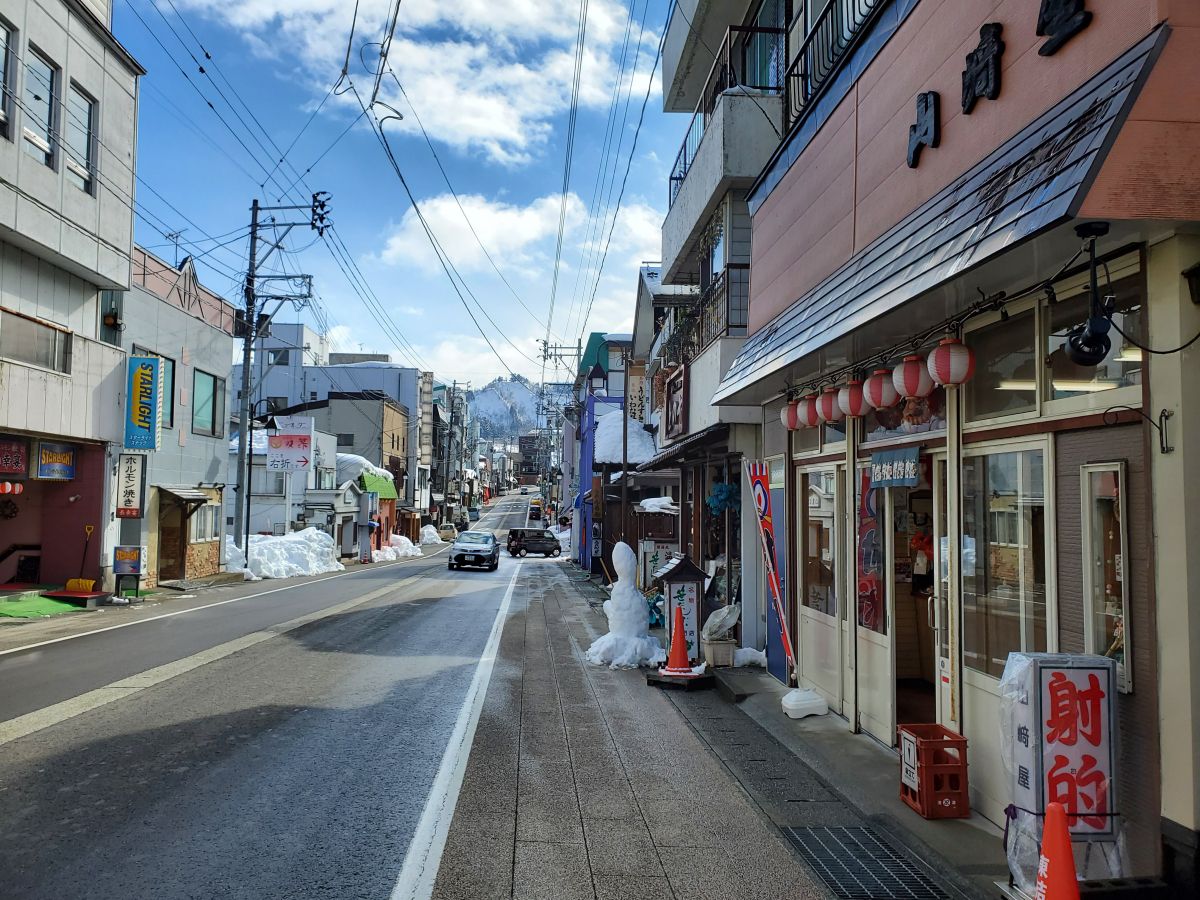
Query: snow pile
(628,643)
(608,441)
(429,535)
(307,552)
(658,505)
(235,561)
(564,539)
(351,465)
(399,547)
(748,656)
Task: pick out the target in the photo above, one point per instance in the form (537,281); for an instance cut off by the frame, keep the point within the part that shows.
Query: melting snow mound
(399,547)
(307,552)
(429,535)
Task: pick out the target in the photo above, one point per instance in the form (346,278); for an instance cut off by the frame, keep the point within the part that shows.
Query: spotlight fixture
(1088,344)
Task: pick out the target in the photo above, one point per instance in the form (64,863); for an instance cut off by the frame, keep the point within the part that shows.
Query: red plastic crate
(941,772)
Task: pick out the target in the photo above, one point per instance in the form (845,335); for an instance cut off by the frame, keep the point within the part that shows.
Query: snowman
(628,643)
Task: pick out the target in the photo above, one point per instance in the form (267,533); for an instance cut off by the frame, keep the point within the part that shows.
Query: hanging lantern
(911,378)
(827,406)
(952,362)
(879,392)
(851,399)
(788,417)
(807,413)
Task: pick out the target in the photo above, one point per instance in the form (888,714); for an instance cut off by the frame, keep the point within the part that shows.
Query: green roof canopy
(384,487)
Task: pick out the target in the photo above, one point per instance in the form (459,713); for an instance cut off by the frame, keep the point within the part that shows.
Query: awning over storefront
(680,449)
(188,496)
(1032,182)
(384,487)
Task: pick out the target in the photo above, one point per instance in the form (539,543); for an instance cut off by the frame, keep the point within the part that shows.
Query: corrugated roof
(1033,181)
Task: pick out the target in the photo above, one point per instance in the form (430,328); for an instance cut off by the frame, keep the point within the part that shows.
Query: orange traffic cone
(1056,869)
(678,665)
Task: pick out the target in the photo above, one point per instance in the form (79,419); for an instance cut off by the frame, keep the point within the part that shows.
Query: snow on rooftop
(608,441)
(351,465)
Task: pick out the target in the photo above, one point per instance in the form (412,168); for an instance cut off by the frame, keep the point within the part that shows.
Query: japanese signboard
(143,403)
(908,760)
(1064,740)
(127,560)
(685,594)
(896,468)
(14,456)
(55,462)
(291,447)
(760,486)
(653,554)
(131,486)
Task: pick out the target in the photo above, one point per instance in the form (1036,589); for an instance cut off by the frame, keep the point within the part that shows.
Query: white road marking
(39,719)
(424,856)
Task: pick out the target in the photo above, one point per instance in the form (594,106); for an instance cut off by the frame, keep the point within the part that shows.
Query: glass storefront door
(821,508)
(875,649)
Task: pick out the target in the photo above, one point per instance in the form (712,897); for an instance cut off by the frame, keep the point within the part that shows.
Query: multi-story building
(1019,178)
(168,315)
(68,127)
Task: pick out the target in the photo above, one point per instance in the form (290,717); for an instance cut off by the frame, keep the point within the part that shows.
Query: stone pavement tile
(549,819)
(477,859)
(551,872)
(736,887)
(802,813)
(670,827)
(712,863)
(621,847)
(606,800)
(633,887)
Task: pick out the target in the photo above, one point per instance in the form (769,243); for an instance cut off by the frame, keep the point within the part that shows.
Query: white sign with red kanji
(131,487)
(1078,750)
(685,594)
(290,448)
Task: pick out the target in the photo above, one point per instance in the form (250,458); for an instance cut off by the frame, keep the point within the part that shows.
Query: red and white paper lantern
(827,406)
(807,413)
(11,487)
(852,401)
(911,378)
(879,392)
(952,362)
(787,416)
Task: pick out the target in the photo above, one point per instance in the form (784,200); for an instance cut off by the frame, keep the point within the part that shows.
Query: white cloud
(482,76)
(510,232)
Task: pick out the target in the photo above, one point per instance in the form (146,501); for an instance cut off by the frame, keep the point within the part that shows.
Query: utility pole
(624,440)
(253,325)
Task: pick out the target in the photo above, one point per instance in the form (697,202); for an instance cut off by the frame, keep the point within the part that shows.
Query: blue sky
(490,80)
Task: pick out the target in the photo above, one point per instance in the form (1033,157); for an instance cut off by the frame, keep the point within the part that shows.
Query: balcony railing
(722,311)
(831,37)
(749,57)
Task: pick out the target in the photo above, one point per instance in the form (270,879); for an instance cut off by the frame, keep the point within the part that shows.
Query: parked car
(524,490)
(473,514)
(522,541)
(475,548)
(447,532)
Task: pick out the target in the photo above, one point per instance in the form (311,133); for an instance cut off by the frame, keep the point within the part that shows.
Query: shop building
(68,123)
(168,316)
(984,174)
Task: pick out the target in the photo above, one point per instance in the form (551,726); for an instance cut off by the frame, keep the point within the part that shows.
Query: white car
(475,548)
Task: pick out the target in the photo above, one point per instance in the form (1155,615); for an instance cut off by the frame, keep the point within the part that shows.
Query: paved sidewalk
(585,783)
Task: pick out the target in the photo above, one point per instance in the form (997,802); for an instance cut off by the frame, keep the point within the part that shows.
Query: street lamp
(597,378)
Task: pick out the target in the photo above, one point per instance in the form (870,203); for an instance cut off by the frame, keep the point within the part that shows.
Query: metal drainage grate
(855,863)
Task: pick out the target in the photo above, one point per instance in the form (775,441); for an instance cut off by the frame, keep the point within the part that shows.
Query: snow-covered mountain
(505,407)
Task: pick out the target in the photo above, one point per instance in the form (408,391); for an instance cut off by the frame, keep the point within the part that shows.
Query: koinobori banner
(760,486)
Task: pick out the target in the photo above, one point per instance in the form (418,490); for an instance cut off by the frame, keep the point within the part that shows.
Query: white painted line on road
(424,856)
(118,690)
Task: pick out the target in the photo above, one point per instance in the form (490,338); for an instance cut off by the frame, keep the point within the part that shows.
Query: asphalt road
(295,767)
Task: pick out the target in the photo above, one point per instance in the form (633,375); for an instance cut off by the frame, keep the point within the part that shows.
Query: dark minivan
(522,541)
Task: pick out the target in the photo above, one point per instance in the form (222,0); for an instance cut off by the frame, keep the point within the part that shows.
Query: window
(312,395)
(872,556)
(1003,558)
(80,135)
(345,440)
(208,404)
(205,524)
(41,87)
(168,384)
(1105,580)
(38,344)
(1006,364)
(325,479)
(279,357)
(8,40)
(916,415)
(820,566)
(275,404)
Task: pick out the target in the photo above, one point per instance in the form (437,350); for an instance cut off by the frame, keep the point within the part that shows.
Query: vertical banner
(143,403)
(686,595)
(131,487)
(760,487)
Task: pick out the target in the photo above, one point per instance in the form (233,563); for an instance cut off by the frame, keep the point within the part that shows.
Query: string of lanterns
(11,487)
(949,364)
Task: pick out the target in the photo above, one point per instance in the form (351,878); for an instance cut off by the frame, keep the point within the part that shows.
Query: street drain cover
(855,863)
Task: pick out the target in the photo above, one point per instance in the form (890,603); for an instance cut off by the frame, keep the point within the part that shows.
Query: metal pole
(248,331)
(624,441)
